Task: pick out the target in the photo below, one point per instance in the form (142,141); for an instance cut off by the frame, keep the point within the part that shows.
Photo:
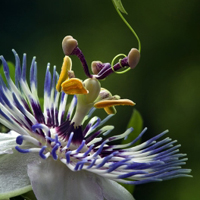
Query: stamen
(110,110)
(66,66)
(109,103)
(74,86)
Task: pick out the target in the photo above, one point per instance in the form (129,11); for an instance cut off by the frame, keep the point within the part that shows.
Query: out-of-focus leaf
(29,196)
(137,123)
(119,6)
(11,70)
(3,129)
(41,103)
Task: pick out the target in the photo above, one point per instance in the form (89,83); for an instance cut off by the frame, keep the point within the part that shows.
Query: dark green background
(165,85)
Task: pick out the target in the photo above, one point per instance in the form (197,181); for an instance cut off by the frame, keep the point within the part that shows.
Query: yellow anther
(110,110)
(66,66)
(73,86)
(110,103)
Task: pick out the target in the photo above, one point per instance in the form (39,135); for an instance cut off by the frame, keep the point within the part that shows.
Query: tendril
(129,26)
(112,64)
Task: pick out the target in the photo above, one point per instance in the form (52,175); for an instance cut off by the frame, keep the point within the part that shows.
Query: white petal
(7,142)
(53,180)
(112,190)
(13,173)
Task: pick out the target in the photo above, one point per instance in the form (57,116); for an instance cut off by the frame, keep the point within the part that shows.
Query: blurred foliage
(3,129)
(119,6)
(136,122)
(165,84)
(27,196)
(11,70)
(11,66)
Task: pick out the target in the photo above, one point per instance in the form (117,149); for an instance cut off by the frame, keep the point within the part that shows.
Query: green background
(165,85)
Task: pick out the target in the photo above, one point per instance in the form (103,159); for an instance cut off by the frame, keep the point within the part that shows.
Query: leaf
(119,6)
(11,70)
(41,103)
(137,123)
(29,196)
(3,129)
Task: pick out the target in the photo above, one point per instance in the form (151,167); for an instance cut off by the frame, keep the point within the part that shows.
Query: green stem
(129,26)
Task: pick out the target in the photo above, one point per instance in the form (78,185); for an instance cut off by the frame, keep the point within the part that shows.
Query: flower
(53,151)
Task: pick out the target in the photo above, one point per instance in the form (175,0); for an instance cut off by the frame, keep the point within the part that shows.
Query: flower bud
(133,58)
(69,44)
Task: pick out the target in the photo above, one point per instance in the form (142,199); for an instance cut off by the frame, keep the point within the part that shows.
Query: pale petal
(112,190)
(53,180)
(7,142)
(13,173)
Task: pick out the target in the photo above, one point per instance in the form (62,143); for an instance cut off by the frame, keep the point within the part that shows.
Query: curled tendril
(128,25)
(112,64)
